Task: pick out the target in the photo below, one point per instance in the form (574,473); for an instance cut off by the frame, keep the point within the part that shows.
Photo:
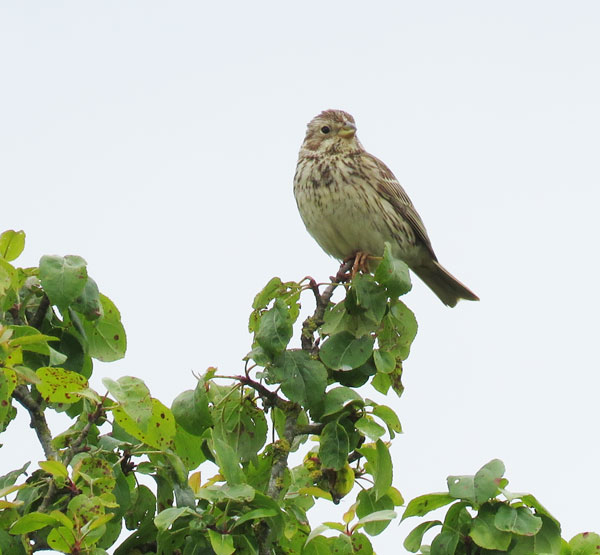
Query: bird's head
(331,131)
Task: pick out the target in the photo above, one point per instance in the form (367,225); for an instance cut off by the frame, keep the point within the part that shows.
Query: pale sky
(158,140)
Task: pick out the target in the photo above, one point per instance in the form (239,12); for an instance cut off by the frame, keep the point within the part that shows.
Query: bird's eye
(325,130)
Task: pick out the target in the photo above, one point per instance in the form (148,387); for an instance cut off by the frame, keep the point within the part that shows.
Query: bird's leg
(361,263)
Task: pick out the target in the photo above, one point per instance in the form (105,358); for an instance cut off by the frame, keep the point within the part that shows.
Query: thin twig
(75,445)
(269,396)
(74,448)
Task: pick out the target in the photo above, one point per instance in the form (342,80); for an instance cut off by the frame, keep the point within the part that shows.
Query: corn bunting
(351,203)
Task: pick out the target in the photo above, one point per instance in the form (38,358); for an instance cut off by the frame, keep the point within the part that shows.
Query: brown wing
(392,191)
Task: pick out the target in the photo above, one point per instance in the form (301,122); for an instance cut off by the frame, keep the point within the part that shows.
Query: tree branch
(280,462)
(309,430)
(281,453)
(40,313)
(311,324)
(38,420)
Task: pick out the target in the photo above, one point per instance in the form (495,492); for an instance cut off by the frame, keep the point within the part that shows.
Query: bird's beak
(348,131)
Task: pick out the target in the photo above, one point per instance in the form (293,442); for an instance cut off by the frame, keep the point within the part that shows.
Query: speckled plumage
(351,202)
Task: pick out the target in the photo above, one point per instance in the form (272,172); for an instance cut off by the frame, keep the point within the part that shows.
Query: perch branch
(311,324)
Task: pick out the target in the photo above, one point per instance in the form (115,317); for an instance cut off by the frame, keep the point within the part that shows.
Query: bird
(352,204)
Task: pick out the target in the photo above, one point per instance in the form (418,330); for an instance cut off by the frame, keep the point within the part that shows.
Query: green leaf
(58,385)
(99,521)
(12,244)
(63,519)
(106,335)
(241,425)
(587,543)
(312,537)
(142,509)
(390,419)
(10,478)
(228,462)
(357,377)
(201,401)
(368,504)
(406,327)
(334,447)
(55,468)
(533,503)
(63,278)
(487,480)
(414,540)
(335,526)
(193,416)
(377,516)
(370,298)
(268,293)
(94,473)
(342,351)
(275,329)
(134,398)
(222,544)
(303,379)
(395,496)
(336,319)
(370,429)
(88,302)
(61,539)
(165,518)
(445,543)
(8,382)
(381,382)
(380,466)
(189,449)
(383,469)
(546,541)
(393,274)
(252,515)
(84,508)
(161,427)
(462,487)
(517,520)
(484,532)
(56,358)
(242,493)
(339,398)
(9,283)
(384,361)
(31,522)
(30,339)
(458,519)
(420,506)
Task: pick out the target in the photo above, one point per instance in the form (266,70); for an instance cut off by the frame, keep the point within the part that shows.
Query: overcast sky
(158,140)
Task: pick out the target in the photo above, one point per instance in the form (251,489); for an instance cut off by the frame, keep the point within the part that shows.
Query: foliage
(133,475)
(478,521)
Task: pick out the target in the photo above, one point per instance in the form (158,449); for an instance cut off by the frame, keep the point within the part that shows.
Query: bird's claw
(361,263)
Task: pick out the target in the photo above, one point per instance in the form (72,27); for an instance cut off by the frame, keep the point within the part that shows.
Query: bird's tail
(443,283)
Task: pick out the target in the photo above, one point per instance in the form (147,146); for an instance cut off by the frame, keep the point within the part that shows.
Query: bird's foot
(360,263)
